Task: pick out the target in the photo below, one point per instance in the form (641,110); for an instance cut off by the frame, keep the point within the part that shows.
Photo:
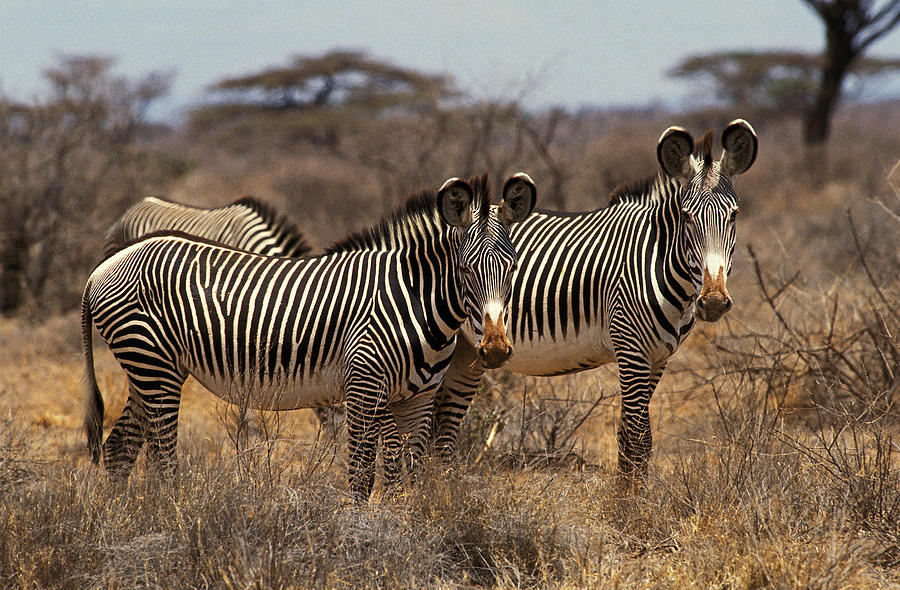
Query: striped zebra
(246,224)
(372,322)
(620,284)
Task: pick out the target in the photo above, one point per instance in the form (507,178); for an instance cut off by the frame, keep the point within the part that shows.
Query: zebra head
(708,206)
(486,256)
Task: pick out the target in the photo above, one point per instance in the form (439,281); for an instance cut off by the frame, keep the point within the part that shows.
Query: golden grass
(745,511)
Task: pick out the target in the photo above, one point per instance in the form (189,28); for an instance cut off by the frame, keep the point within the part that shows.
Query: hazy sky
(570,53)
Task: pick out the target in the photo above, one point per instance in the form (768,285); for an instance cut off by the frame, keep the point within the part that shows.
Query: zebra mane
(634,191)
(404,225)
(295,243)
(706,149)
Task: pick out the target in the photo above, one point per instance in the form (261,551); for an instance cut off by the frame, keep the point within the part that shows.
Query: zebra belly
(325,388)
(546,357)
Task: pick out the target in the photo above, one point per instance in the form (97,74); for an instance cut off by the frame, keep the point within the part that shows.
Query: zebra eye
(465,268)
(688,217)
(733,215)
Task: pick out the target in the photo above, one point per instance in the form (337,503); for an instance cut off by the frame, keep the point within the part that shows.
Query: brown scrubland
(776,430)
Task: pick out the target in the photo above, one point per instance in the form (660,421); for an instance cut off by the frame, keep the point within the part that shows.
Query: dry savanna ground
(775,433)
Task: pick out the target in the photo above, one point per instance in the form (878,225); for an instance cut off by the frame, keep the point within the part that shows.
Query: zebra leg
(366,413)
(126,438)
(637,380)
(391,447)
(461,381)
(413,416)
(161,408)
(153,400)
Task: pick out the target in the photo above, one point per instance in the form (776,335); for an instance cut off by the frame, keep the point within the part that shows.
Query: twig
(583,418)
(865,265)
(489,441)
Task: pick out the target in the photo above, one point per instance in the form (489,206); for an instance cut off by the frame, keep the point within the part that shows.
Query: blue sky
(568,53)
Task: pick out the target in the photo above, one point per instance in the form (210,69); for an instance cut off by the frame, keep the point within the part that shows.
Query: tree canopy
(773,81)
(338,77)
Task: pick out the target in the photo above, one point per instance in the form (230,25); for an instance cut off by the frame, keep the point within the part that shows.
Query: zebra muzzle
(714,301)
(495,347)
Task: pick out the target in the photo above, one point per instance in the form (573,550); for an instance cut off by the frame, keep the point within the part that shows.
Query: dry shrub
(517,421)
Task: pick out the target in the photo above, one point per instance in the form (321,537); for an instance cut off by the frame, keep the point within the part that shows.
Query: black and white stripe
(623,283)
(246,224)
(372,322)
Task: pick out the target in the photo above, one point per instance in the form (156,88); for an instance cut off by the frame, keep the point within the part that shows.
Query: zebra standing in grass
(623,283)
(247,224)
(372,322)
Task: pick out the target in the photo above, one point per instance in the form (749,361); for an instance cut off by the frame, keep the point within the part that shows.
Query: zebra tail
(93,414)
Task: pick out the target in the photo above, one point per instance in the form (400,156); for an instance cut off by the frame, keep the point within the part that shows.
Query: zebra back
(247,224)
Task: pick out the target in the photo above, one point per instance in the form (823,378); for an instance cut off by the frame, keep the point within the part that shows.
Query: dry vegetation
(775,465)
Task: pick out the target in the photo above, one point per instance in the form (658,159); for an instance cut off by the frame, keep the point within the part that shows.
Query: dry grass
(775,456)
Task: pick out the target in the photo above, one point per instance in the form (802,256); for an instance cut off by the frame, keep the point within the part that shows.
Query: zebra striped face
(486,262)
(709,206)
(709,231)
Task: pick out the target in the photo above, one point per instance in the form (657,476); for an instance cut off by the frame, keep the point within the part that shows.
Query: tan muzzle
(714,301)
(495,347)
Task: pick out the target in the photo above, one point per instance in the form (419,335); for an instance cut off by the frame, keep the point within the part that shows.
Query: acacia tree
(334,86)
(851,27)
(769,82)
(809,85)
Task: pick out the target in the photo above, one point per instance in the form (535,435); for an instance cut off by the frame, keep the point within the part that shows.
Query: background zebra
(246,224)
(622,283)
(372,322)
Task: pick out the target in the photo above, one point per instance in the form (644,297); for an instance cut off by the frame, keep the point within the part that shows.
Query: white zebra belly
(590,349)
(325,388)
(546,357)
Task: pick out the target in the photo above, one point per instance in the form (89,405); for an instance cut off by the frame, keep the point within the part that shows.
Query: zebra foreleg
(391,450)
(461,382)
(367,413)
(414,417)
(637,380)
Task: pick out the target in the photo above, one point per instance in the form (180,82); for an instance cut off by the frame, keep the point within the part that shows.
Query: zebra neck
(433,274)
(683,285)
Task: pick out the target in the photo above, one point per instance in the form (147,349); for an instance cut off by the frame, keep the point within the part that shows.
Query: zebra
(372,322)
(620,284)
(247,224)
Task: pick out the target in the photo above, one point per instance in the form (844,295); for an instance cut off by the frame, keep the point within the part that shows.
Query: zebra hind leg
(126,438)
(151,416)
(162,427)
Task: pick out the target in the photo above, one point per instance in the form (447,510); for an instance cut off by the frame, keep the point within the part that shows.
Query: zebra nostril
(728,304)
(481,353)
(509,351)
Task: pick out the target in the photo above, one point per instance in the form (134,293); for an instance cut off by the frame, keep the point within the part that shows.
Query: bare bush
(537,428)
(67,165)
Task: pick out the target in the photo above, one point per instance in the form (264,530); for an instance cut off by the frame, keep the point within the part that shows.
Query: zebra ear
(455,203)
(519,197)
(740,143)
(674,153)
